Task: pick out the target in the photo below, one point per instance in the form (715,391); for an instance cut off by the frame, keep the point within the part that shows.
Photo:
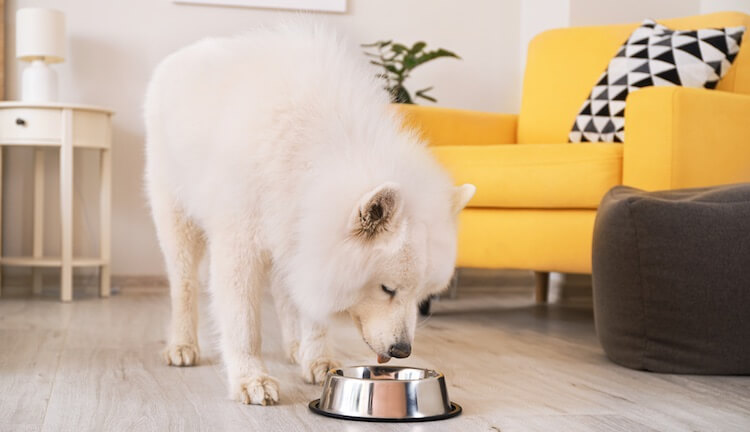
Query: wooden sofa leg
(542,286)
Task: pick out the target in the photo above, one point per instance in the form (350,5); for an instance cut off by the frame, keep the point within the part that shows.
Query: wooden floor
(93,365)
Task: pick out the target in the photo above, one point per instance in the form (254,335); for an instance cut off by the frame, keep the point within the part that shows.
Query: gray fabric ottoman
(671,274)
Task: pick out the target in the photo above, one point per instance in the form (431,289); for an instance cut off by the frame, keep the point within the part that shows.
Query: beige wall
(114,45)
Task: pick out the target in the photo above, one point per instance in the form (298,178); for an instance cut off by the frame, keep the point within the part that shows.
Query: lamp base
(39,83)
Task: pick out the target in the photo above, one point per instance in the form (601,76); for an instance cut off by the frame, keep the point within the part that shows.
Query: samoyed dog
(277,152)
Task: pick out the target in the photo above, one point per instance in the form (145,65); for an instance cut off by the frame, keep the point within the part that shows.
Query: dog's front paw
(182,355)
(256,390)
(315,371)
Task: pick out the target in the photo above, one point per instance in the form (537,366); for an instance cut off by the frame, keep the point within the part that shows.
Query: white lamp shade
(40,35)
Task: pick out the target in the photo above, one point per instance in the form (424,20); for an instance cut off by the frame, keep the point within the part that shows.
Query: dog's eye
(389,291)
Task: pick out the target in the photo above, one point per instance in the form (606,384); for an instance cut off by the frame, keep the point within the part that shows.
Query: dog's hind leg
(239,271)
(314,354)
(288,316)
(182,243)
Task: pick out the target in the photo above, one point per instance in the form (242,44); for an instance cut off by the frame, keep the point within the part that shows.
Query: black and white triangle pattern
(653,55)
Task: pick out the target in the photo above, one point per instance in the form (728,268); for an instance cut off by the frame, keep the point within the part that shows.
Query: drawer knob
(20,122)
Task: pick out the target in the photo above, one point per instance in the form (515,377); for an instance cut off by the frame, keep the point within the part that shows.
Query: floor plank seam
(57,369)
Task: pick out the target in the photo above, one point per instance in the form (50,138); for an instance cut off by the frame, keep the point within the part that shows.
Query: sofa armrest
(678,137)
(447,126)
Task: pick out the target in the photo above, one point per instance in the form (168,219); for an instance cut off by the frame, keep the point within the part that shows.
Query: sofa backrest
(564,64)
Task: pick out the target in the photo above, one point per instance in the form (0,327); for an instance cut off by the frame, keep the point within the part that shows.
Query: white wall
(538,16)
(114,45)
(708,6)
(598,12)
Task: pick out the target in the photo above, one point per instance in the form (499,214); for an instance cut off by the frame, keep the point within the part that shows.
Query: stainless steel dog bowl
(385,393)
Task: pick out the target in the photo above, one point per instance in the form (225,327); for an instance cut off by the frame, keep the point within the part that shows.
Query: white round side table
(66,127)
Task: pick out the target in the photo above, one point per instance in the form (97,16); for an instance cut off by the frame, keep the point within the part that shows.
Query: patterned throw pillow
(653,56)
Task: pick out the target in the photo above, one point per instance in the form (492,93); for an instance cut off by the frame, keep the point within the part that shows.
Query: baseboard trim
(140,282)
(20,284)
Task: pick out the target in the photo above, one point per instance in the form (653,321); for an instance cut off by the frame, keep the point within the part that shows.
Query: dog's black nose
(400,350)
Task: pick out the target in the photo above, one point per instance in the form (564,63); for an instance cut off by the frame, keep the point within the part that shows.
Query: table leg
(66,207)
(38,218)
(105,209)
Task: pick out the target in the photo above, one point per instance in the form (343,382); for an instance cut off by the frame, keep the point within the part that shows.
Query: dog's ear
(461,196)
(376,211)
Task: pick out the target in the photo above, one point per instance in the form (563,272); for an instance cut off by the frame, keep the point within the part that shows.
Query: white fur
(266,147)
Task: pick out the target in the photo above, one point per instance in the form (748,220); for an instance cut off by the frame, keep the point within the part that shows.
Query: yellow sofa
(537,195)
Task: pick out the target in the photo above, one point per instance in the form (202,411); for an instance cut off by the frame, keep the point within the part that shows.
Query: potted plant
(398,61)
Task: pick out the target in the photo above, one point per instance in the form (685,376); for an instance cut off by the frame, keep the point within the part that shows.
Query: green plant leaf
(432,55)
(445,53)
(378,44)
(409,61)
(423,95)
(390,68)
(398,48)
(417,47)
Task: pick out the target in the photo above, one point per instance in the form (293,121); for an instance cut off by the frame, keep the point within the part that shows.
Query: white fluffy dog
(277,151)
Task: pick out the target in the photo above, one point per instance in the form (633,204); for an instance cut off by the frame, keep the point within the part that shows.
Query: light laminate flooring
(94,365)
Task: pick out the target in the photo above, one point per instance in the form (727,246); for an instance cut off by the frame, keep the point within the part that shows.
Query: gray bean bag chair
(671,274)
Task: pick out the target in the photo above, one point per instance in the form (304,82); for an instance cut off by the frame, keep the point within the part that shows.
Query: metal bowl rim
(332,373)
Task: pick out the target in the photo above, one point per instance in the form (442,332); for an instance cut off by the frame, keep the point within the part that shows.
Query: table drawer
(91,129)
(24,124)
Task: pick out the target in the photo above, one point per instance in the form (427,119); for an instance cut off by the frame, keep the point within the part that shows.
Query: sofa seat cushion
(562,176)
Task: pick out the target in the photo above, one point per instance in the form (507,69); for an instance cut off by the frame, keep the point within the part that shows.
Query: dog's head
(411,253)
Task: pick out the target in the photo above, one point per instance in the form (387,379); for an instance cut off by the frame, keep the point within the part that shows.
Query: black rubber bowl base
(455,410)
